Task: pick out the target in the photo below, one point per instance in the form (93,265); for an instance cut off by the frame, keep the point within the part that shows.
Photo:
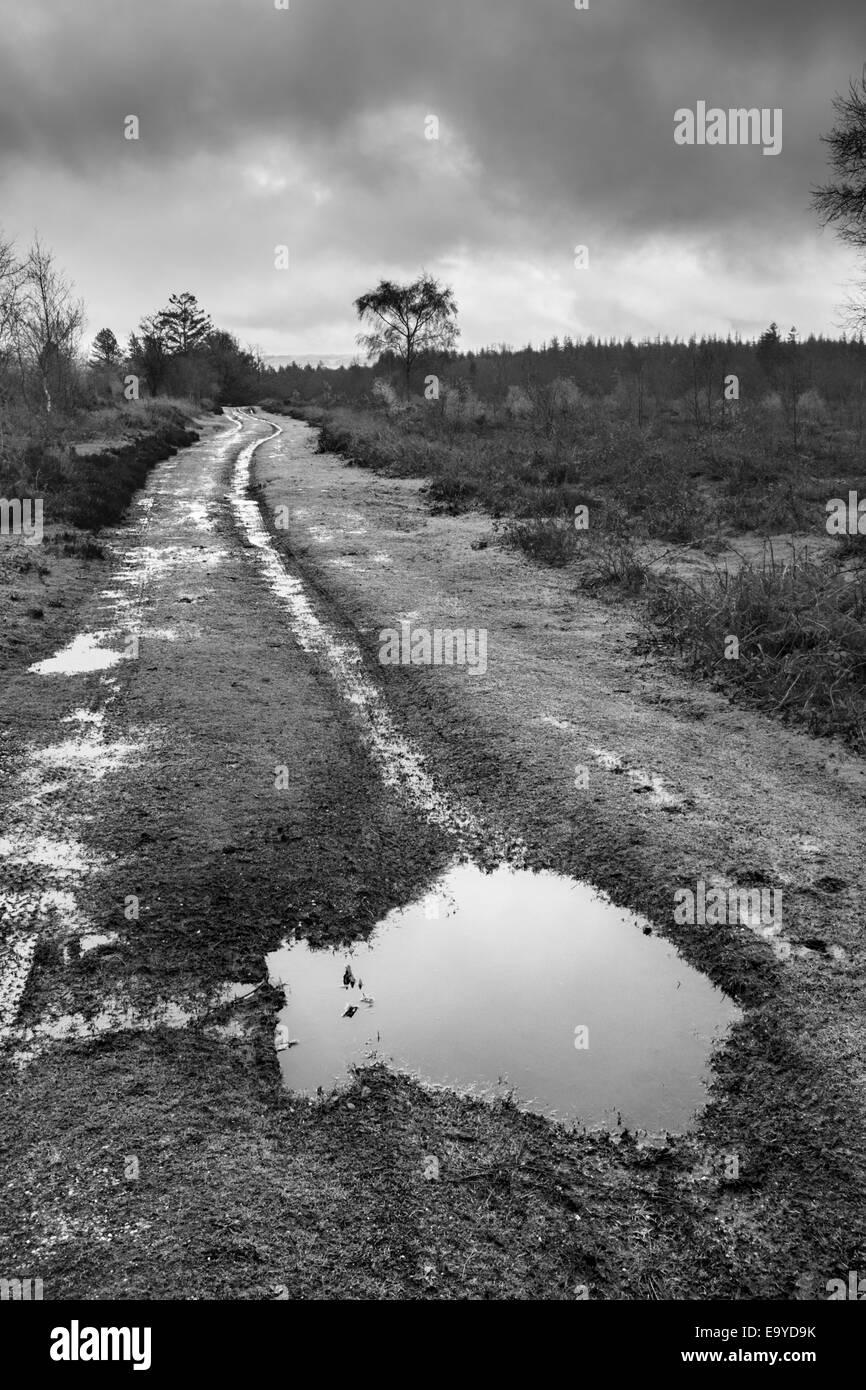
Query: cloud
(307,127)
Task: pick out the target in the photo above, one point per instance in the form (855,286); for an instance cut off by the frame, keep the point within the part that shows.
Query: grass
(663,481)
(799,623)
(801,634)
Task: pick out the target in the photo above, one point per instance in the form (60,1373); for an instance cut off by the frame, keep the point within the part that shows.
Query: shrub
(802,638)
(549,540)
(383,393)
(518,405)
(615,562)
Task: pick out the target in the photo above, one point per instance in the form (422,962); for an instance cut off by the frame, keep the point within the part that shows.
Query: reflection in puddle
(488,981)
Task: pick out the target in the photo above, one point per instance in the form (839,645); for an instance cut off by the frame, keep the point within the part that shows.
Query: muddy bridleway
(184,723)
(179,556)
(213,765)
(183,788)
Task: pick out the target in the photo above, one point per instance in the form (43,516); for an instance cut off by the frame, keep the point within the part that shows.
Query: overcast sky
(306,127)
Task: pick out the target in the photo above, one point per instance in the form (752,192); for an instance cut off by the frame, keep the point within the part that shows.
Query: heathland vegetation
(695,476)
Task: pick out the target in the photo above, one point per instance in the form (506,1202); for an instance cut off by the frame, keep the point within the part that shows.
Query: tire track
(401,764)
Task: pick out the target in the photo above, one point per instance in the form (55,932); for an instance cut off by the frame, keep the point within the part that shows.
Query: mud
(238,798)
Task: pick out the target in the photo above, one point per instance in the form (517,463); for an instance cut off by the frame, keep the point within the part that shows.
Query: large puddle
(510,981)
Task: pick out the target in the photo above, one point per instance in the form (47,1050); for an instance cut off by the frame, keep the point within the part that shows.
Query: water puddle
(526,981)
(95,941)
(90,753)
(82,655)
(85,716)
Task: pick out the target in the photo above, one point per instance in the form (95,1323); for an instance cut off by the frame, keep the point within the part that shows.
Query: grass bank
(86,466)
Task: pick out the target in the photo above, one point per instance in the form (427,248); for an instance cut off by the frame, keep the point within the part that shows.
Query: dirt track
(166,1162)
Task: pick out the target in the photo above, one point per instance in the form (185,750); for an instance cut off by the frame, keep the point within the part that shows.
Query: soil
(162,1161)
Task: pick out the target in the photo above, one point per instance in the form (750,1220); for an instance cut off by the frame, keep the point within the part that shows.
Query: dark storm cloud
(572,104)
(557,124)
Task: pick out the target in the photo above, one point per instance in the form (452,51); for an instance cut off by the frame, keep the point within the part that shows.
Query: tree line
(45,373)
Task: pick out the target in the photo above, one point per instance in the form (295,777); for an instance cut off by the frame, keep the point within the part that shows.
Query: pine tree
(183,325)
(106,349)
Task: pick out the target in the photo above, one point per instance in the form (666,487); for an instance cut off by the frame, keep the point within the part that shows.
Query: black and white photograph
(433,671)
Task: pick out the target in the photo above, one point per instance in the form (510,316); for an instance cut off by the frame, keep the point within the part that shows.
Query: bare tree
(10,285)
(408,319)
(49,322)
(10,282)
